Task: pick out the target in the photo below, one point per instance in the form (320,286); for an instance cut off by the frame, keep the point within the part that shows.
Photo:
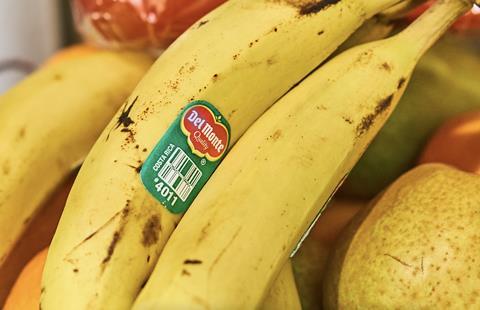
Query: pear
(416,247)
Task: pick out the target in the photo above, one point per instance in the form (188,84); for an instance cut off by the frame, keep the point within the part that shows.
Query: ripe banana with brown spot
(241,58)
(272,184)
(49,122)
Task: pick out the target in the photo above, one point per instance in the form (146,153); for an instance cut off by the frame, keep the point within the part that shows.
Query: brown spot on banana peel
(6,168)
(124,118)
(386,66)
(130,137)
(137,168)
(125,121)
(192,262)
(21,133)
(202,23)
(369,120)
(401,82)
(116,236)
(276,135)
(231,113)
(203,233)
(111,248)
(151,231)
(271,61)
(314,7)
(347,119)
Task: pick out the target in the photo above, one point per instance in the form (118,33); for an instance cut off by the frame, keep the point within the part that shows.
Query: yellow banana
(399,10)
(270,187)
(375,28)
(49,122)
(241,58)
(283,294)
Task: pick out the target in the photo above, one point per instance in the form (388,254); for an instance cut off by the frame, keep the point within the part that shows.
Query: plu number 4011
(166,192)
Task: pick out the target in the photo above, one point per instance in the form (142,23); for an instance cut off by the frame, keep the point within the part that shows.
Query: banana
(399,10)
(249,218)
(375,28)
(283,294)
(241,58)
(48,123)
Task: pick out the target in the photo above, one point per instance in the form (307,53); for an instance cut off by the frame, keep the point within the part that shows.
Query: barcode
(180,173)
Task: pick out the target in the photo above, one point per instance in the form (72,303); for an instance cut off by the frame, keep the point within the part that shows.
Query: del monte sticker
(186,156)
(207,136)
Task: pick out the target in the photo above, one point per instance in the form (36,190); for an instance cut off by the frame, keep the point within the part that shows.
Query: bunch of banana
(240,58)
(49,122)
(268,188)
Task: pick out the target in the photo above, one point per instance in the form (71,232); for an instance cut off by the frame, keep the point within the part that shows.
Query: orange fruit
(38,235)
(25,294)
(456,143)
(335,218)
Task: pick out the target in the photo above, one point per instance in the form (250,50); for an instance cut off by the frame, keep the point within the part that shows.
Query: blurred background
(30,32)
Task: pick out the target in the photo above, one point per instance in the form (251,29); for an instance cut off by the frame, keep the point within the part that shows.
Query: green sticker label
(186,156)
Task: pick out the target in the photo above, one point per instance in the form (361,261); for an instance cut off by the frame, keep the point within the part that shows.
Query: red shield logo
(207,136)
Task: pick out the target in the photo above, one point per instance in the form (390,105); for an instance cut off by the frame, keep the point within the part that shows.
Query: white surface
(29,32)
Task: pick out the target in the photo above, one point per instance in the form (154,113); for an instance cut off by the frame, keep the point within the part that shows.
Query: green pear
(416,247)
(444,84)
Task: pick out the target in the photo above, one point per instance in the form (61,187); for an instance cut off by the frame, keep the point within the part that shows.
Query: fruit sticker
(186,156)
(207,137)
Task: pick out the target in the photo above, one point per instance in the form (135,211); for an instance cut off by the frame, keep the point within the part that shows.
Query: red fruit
(138,23)
(456,143)
(471,20)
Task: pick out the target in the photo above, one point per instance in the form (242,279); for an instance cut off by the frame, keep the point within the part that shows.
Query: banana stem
(432,24)
(383,5)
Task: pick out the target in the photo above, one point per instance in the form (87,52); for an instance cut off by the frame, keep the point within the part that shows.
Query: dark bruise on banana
(369,120)
(125,122)
(308,7)
(150,235)
(384,104)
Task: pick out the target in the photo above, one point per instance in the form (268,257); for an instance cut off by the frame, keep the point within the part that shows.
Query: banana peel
(444,84)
